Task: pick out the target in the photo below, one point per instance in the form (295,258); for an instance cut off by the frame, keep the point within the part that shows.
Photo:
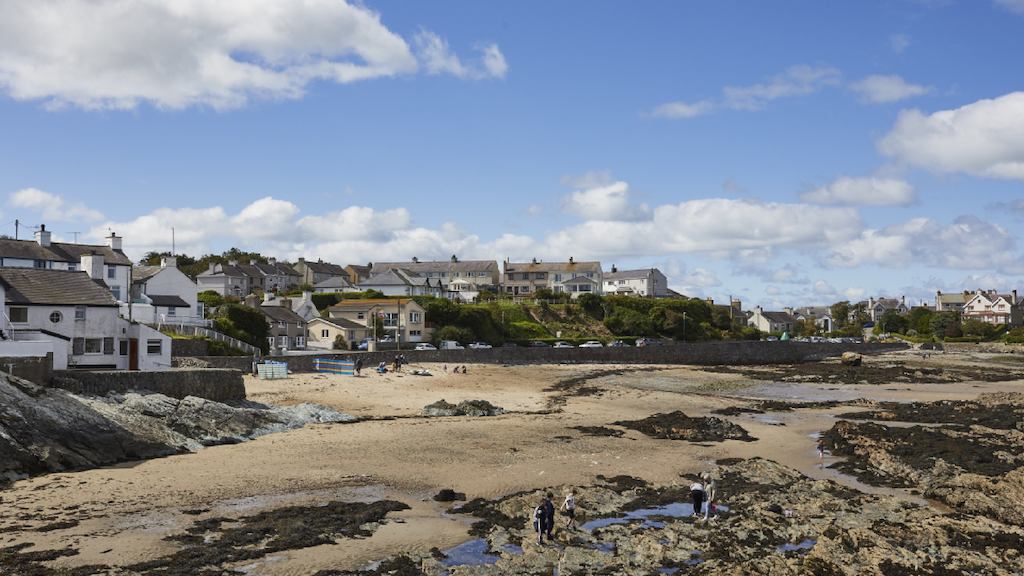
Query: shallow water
(673,510)
(800,547)
(471,553)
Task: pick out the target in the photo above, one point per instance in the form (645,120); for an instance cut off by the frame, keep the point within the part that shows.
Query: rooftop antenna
(172,241)
(76,236)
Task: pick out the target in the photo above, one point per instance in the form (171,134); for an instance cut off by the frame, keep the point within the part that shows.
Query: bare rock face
(50,430)
(474,408)
(851,359)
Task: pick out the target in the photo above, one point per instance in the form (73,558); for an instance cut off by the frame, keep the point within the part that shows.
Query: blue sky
(788,153)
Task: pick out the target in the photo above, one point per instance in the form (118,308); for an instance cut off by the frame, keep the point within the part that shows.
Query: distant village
(90,306)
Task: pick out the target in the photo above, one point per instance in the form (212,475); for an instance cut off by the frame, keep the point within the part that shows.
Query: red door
(133,354)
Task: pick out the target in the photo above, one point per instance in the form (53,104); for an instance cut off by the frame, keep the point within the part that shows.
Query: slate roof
(439,266)
(575,267)
(59,251)
(325,268)
(362,271)
(629,274)
(140,274)
(54,287)
(162,300)
(281,314)
(579,280)
(779,317)
(366,304)
(340,323)
(333,282)
(224,270)
(395,277)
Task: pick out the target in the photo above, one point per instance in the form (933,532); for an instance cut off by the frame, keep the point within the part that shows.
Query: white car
(561,344)
(591,344)
(479,345)
(425,346)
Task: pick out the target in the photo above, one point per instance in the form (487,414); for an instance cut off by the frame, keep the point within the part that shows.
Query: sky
(786,153)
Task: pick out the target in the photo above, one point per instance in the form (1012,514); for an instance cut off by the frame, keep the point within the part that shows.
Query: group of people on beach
(544,515)
(703,493)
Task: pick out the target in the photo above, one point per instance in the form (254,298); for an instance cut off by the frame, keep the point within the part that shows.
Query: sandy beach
(121,515)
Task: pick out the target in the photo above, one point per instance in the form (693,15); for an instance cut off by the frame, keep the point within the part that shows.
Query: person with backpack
(697,495)
(549,515)
(538,522)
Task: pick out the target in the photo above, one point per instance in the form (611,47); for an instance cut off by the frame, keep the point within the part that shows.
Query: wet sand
(124,512)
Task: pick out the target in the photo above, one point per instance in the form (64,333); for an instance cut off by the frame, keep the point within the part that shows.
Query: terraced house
(465,278)
(313,273)
(572,277)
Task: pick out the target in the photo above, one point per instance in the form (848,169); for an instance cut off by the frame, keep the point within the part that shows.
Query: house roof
(779,317)
(55,287)
(59,251)
(642,273)
(574,267)
(282,269)
(224,270)
(343,323)
(167,300)
(439,266)
(358,269)
(396,277)
(140,274)
(578,280)
(324,268)
(281,314)
(368,303)
(955,298)
(334,282)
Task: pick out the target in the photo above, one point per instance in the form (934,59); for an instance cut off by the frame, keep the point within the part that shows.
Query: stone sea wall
(217,384)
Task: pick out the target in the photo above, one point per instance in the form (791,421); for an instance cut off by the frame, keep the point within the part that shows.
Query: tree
(945,325)
(919,318)
(452,333)
(892,322)
(591,305)
(243,323)
(210,299)
(972,327)
(840,313)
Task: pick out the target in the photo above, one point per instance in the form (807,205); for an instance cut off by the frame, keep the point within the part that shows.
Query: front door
(133,354)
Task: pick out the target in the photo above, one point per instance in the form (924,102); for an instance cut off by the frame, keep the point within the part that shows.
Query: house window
(123,344)
(108,346)
(111,271)
(93,345)
(361,316)
(79,312)
(154,347)
(72,267)
(415,317)
(325,333)
(39,264)
(300,342)
(55,317)
(415,332)
(116,291)
(283,341)
(171,311)
(78,346)
(19,314)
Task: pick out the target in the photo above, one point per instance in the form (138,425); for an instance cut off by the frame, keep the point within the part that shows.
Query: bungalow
(336,333)
(648,282)
(771,322)
(525,278)
(76,319)
(402,318)
(109,261)
(164,295)
(994,308)
(401,282)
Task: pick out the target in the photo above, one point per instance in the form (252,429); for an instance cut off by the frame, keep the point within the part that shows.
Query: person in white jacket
(710,494)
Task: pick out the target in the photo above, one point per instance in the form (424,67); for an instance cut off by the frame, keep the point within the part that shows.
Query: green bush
(460,335)
(243,323)
(525,330)
(218,348)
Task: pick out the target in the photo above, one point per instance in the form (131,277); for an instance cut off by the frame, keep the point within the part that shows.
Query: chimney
(415,260)
(168,262)
(92,264)
(788,310)
(614,269)
(252,262)
(454,259)
(570,260)
(307,296)
(301,259)
(114,241)
(535,260)
(285,303)
(213,268)
(272,261)
(267,297)
(43,235)
(1013,296)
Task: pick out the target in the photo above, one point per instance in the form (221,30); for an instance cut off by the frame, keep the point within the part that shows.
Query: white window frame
(19,308)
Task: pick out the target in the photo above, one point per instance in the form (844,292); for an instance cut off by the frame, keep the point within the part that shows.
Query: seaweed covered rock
(678,426)
(474,408)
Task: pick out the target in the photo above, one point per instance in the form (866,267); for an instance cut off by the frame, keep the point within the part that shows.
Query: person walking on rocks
(570,508)
(538,522)
(821,452)
(358,365)
(697,495)
(549,515)
(710,494)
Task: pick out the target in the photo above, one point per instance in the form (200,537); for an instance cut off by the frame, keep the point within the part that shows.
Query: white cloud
(195,229)
(267,218)
(1011,5)
(355,223)
(899,43)
(438,58)
(799,80)
(681,109)
(111,54)
(967,243)
(984,138)
(774,272)
(845,191)
(607,202)
(52,207)
(880,89)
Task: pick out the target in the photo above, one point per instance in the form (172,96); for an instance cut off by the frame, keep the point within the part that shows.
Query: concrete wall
(220,385)
(698,353)
(36,369)
(189,347)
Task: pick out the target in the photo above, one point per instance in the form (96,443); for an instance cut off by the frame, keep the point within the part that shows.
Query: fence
(334,366)
(192,330)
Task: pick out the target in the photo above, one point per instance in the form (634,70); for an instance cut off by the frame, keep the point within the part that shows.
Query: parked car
(479,345)
(425,346)
(641,342)
(617,344)
(364,345)
(451,345)
(510,345)
(386,339)
(591,344)
(539,344)
(561,344)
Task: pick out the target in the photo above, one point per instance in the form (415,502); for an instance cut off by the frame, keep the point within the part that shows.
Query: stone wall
(697,353)
(189,347)
(242,363)
(220,385)
(32,368)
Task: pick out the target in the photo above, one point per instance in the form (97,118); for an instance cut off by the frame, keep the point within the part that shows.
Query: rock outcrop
(464,408)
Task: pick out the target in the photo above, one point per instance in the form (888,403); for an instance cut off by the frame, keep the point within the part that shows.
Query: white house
(79,318)
(225,279)
(334,284)
(303,305)
(993,308)
(108,263)
(164,295)
(771,322)
(525,278)
(400,282)
(467,277)
(648,282)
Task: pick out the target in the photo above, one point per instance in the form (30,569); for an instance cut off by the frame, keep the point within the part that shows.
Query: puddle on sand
(800,548)
(472,553)
(674,510)
(608,547)
(513,549)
